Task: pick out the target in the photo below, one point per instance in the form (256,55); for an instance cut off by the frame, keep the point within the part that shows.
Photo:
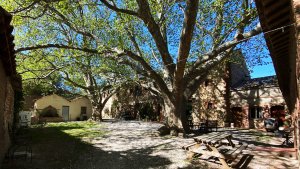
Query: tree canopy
(172,45)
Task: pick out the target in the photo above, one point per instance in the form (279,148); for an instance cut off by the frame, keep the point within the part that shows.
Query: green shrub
(49,112)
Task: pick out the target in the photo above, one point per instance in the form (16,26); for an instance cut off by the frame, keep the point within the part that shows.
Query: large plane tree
(171,44)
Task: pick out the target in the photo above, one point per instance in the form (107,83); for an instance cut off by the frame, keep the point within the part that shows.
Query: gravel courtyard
(135,145)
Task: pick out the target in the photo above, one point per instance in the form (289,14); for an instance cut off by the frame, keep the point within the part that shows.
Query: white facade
(69,110)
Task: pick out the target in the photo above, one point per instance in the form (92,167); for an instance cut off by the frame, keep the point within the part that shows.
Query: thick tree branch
(137,68)
(160,82)
(71,25)
(133,40)
(109,96)
(219,24)
(190,16)
(45,76)
(225,46)
(245,37)
(115,8)
(34,70)
(144,13)
(88,80)
(35,17)
(68,79)
(25,8)
(152,89)
(200,75)
(59,46)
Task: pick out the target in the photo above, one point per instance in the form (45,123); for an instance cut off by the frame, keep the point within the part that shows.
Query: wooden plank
(206,136)
(232,154)
(220,157)
(229,139)
(186,147)
(214,139)
(191,153)
(218,139)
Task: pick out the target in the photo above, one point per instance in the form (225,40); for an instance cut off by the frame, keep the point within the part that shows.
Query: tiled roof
(267,81)
(278,18)
(7,52)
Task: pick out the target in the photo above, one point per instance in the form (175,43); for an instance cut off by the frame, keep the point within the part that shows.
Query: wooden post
(296,7)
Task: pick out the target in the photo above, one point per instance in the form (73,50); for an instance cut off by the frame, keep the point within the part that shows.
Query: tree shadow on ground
(256,138)
(259,139)
(54,149)
(274,155)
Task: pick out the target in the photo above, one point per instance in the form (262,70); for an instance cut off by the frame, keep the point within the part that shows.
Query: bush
(49,112)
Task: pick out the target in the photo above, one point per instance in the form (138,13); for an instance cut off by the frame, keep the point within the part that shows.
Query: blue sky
(258,57)
(267,67)
(264,70)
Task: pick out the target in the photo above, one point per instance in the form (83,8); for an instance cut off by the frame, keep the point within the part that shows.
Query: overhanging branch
(222,48)
(59,46)
(115,8)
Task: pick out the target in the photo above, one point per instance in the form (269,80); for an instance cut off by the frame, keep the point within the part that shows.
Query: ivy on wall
(18,105)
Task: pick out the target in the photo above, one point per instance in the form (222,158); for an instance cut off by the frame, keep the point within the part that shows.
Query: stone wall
(209,102)
(6,112)
(260,97)
(10,81)
(238,73)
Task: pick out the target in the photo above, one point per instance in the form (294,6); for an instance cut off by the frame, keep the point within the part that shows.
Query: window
(256,112)
(83,110)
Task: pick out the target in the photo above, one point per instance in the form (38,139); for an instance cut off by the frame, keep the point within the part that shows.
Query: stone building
(229,95)
(10,82)
(209,103)
(254,100)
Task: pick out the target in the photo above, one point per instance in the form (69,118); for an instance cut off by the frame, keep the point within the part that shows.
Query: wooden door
(65,113)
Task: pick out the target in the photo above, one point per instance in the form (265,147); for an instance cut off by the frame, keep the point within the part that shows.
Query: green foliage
(88,24)
(18,106)
(52,70)
(37,88)
(92,42)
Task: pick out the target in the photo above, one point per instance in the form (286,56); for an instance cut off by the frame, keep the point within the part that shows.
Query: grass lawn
(66,130)
(59,145)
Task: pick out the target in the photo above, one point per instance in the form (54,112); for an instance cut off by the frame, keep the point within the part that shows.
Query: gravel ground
(135,145)
(132,144)
(138,144)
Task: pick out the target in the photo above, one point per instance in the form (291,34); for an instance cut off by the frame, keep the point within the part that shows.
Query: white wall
(75,107)
(58,102)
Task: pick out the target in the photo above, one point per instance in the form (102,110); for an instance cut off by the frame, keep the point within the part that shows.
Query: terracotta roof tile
(268,81)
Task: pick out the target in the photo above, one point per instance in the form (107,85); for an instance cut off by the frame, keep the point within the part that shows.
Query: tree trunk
(175,115)
(97,112)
